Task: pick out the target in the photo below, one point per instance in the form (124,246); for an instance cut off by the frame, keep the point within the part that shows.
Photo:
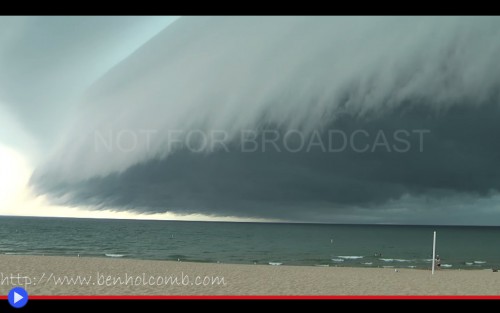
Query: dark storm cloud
(440,75)
(458,155)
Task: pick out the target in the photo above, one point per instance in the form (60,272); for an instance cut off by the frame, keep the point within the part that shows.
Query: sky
(385,120)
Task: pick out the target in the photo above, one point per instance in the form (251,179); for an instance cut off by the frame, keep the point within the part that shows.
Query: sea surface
(459,247)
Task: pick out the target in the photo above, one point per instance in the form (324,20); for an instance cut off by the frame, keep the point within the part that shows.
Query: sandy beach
(53,275)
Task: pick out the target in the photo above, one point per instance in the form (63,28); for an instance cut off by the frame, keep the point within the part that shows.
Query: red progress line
(228,297)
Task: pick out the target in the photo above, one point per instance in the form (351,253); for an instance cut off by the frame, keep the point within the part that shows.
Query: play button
(18,297)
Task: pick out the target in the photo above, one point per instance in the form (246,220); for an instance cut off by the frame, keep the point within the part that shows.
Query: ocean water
(248,243)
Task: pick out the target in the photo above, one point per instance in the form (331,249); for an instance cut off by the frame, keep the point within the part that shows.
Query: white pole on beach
(433,252)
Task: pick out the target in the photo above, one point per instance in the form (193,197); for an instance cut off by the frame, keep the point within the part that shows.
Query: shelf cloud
(324,119)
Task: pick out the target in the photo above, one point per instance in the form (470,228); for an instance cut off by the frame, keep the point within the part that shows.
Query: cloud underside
(433,80)
(451,155)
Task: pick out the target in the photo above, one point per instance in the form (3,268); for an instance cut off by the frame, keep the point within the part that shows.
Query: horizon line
(244,222)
